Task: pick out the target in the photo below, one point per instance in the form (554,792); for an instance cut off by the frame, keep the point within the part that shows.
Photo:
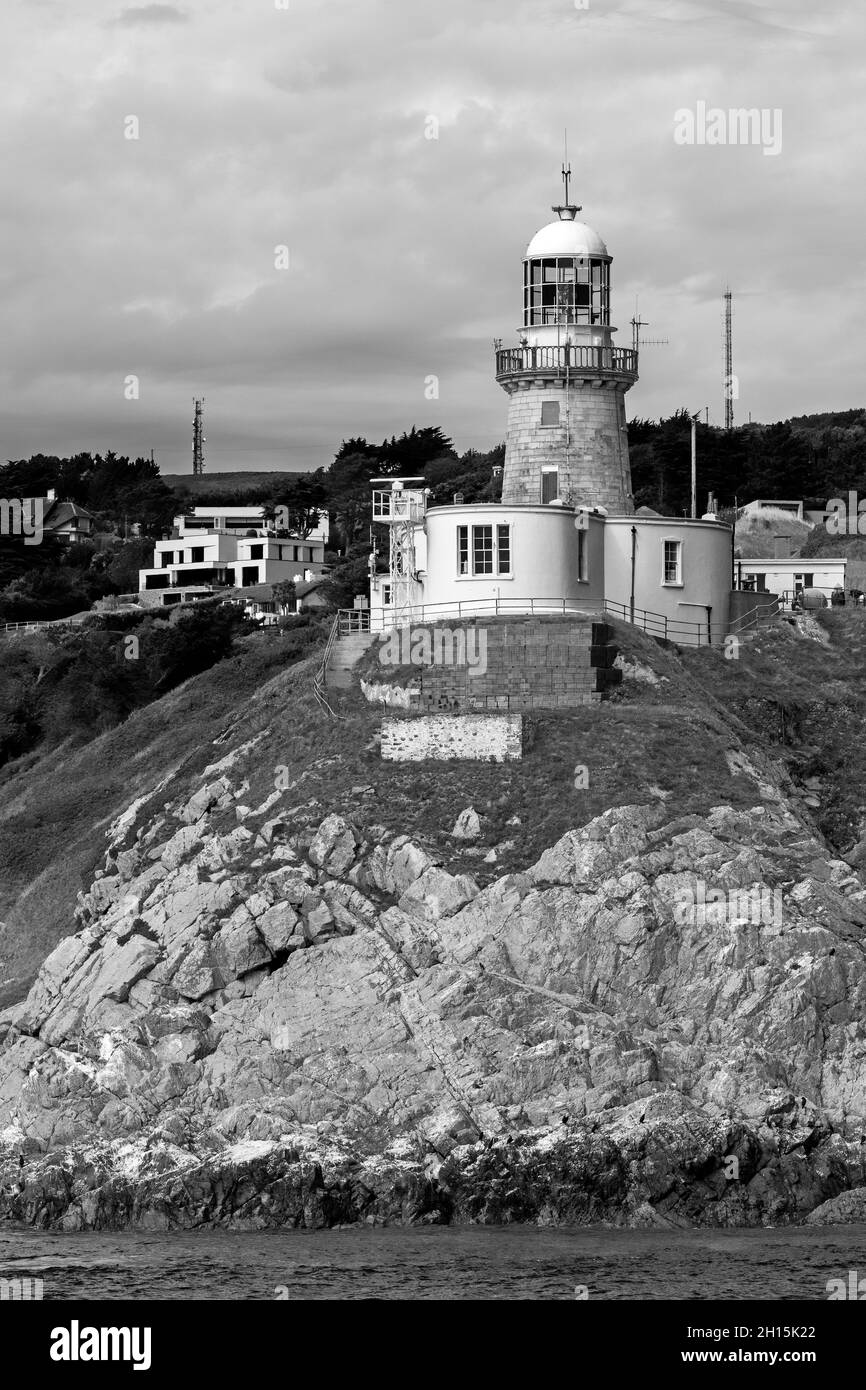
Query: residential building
(222,549)
(66,520)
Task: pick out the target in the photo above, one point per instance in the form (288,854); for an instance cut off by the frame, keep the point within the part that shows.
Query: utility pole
(198,440)
(729,377)
(694,420)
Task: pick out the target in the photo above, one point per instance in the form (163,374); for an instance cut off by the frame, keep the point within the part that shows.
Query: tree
(304,499)
(125,563)
(285,594)
(350,496)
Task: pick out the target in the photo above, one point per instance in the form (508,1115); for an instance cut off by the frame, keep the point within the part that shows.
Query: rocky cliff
(272,1015)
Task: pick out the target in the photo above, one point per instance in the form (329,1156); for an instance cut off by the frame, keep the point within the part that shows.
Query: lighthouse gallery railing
(572,358)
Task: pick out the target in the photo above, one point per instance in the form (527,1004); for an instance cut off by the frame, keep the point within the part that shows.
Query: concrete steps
(345,655)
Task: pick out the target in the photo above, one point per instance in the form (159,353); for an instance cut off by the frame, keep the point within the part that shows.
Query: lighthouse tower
(566,438)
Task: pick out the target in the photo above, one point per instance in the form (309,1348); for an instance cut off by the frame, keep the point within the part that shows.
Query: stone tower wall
(598,470)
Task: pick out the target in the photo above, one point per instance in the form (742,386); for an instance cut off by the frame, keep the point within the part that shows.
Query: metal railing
(320,678)
(353,620)
(787,596)
(397,506)
(762,612)
(655,624)
(531,361)
(34,624)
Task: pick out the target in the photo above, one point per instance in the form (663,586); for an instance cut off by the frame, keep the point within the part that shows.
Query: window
(581,555)
(386,594)
(503,550)
(257,552)
(549,484)
(196,555)
(482,549)
(566,289)
(673,562)
(549,413)
(491,550)
(167,558)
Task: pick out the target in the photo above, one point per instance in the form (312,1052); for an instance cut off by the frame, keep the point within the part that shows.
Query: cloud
(150,14)
(308,128)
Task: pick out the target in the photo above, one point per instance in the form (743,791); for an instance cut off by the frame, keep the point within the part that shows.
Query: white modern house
(565,536)
(236,548)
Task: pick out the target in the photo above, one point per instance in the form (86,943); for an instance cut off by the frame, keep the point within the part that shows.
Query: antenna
(729,380)
(197,439)
(566,211)
(637,324)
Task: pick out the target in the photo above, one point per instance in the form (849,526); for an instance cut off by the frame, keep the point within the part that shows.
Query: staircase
(344,656)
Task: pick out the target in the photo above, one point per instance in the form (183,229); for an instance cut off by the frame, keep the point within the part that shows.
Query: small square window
(550,412)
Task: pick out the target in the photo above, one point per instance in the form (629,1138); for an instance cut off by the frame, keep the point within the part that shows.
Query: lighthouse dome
(566,238)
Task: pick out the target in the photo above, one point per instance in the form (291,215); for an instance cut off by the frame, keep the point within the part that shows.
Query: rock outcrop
(275,1022)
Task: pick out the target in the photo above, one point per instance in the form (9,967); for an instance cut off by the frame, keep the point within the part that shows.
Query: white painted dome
(566,238)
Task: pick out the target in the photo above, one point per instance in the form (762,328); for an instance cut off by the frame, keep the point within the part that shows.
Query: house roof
(61,513)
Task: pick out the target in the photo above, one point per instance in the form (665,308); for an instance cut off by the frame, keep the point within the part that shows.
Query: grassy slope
(671,737)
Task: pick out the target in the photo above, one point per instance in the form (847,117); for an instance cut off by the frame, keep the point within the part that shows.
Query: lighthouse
(566,381)
(565,540)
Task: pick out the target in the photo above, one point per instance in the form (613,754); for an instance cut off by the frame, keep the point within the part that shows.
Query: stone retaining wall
(443,737)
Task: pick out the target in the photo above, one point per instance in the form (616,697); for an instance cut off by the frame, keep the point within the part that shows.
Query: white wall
(705,571)
(544,557)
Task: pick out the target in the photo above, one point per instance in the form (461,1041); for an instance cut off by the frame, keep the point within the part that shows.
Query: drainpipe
(633,557)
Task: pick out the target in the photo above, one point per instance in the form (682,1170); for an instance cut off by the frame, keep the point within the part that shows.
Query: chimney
(51,494)
(458,499)
(781,547)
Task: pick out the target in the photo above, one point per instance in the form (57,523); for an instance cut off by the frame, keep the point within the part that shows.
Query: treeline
(59,686)
(116,489)
(342,490)
(811,458)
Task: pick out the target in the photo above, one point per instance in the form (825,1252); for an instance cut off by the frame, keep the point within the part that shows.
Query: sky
(319,220)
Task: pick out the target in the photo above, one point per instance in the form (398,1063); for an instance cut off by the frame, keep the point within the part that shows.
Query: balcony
(573,361)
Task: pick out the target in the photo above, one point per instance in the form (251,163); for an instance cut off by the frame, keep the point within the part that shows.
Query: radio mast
(729,378)
(198,440)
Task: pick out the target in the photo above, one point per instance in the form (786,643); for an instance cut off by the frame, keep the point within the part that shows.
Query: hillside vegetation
(789,704)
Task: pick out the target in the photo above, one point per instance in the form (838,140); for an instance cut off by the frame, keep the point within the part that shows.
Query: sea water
(437,1262)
